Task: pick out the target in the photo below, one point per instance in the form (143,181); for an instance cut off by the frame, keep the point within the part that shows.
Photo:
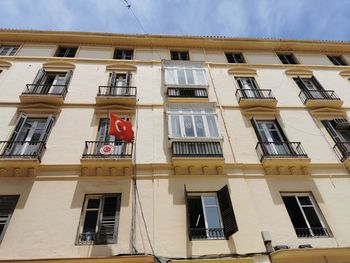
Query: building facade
(241,150)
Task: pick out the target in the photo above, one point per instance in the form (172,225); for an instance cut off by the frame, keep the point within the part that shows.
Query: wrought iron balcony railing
(87,238)
(196,149)
(280,150)
(187,93)
(207,233)
(342,149)
(108,149)
(22,149)
(312,232)
(306,95)
(117,91)
(45,90)
(254,94)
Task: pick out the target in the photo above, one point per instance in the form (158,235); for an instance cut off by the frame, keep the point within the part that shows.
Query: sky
(291,19)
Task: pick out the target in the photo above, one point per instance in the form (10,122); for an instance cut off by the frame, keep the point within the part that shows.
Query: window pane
(188,126)
(304,200)
(170,76)
(213,217)
(196,212)
(200,75)
(190,78)
(175,126)
(110,206)
(90,221)
(198,120)
(312,217)
(93,203)
(294,212)
(213,129)
(181,76)
(210,200)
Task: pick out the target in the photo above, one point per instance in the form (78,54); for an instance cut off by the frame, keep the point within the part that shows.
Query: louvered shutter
(47,129)
(332,132)
(128,79)
(39,76)
(317,84)
(187,214)
(68,77)
(112,79)
(7,206)
(256,129)
(109,219)
(227,214)
(19,125)
(300,83)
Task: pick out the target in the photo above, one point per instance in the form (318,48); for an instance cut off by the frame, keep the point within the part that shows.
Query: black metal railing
(312,232)
(342,149)
(207,233)
(45,90)
(196,149)
(254,94)
(280,150)
(117,91)
(187,92)
(87,238)
(306,95)
(22,149)
(107,149)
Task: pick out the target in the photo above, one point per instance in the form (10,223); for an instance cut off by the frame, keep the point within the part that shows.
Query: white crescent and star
(117,128)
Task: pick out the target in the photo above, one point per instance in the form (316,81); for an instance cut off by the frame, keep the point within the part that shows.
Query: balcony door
(248,87)
(119,84)
(339,129)
(272,138)
(53,83)
(29,136)
(311,88)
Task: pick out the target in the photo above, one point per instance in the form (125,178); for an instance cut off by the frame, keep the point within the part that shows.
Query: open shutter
(47,129)
(109,219)
(39,76)
(128,79)
(239,81)
(7,206)
(187,214)
(332,132)
(102,134)
(228,216)
(256,129)
(68,77)
(300,83)
(19,125)
(317,84)
(281,131)
(112,79)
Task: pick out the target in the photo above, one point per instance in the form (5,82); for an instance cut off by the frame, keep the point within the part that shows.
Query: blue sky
(293,19)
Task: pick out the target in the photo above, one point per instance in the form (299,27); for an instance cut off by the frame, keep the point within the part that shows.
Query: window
(8,50)
(305,215)
(50,83)
(210,215)
(179,55)
(235,58)
(192,121)
(312,88)
(7,206)
(123,54)
(287,58)
(337,60)
(248,87)
(99,219)
(68,52)
(186,73)
(29,136)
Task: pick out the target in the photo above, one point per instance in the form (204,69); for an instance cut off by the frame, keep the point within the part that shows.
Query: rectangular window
(248,87)
(185,73)
(337,60)
(99,219)
(210,215)
(305,215)
(8,50)
(123,54)
(7,206)
(179,55)
(311,88)
(287,58)
(192,122)
(234,57)
(68,52)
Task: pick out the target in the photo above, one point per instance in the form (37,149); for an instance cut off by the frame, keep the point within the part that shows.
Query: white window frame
(192,111)
(313,205)
(171,73)
(10,51)
(85,209)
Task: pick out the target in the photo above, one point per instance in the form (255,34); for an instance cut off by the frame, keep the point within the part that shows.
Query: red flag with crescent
(120,128)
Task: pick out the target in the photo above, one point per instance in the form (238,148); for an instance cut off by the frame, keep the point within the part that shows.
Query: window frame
(10,52)
(335,60)
(66,53)
(179,54)
(288,57)
(234,59)
(8,220)
(124,56)
(172,79)
(314,205)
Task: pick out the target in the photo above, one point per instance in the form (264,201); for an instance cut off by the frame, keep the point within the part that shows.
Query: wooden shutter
(300,83)
(47,129)
(112,79)
(68,77)
(239,81)
(280,130)
(227,214)
(187,214)
(317,84)
(19,125)
(128,79)
(332,132)
(109,219)
(256,129)
(39,76)
(7,206)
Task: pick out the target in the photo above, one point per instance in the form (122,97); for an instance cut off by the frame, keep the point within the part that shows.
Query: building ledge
(123,100)
(107,166)
(19,167)
(255,102)
(323,103)
(286,166)
(48,99)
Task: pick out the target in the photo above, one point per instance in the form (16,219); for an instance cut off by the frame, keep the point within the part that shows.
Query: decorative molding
(121,67)
(345,73)
(260,111)
(326,113)
(296,71)
(5,64)
(58,65)
(241,70)
(39,108)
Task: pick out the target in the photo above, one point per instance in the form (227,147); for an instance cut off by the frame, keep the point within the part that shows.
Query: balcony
(342,149)
(283,157)
(255,98)
(107,158)
(196,154)
(312,232)
(20,158)
(320,98)
(46,93)
(185,94)
(116,94)
(207,233)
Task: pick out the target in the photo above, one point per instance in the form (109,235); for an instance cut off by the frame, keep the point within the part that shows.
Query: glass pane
(188,126)
(90,221)
(294,212)
(213,217)
(200,75)
(196,212)
(175,126)
(304,200)
(2,226)
(198,120)
(210,200)
(110,206)
(312,217)
(170,76)
(181,76)
(93,203)
(190,78)
(213,129)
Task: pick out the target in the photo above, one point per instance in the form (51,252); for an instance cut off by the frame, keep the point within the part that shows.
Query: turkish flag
(120,128)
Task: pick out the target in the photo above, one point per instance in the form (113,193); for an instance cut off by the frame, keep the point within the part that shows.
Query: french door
(249,87)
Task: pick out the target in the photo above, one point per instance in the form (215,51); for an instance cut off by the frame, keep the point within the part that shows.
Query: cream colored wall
(36,50)
(95,52)
(261,57)
(312,59)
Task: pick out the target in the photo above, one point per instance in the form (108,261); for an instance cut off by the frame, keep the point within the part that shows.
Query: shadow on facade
(21,188)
